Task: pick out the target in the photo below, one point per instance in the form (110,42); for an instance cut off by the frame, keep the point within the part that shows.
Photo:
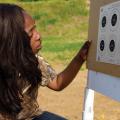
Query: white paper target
(108,44)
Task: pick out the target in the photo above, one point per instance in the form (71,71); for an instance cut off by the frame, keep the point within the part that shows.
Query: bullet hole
(102,45)
(114,19)
(104,21)
(112,45)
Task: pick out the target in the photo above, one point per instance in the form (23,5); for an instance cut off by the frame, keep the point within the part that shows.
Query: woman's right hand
(84,50)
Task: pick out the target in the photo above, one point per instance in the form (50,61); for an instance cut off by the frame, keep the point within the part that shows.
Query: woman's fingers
(84,50)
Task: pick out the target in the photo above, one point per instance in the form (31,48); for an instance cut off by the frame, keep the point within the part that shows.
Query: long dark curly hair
(16,58)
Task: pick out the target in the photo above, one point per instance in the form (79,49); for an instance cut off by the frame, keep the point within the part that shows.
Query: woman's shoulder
(48,73)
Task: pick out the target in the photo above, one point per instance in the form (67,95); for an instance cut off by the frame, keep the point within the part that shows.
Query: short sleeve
(48,73)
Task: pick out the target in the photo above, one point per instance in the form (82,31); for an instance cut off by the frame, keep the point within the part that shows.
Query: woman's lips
(39,45)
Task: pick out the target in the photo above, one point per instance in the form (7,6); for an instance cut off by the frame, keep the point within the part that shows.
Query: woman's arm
(65,77)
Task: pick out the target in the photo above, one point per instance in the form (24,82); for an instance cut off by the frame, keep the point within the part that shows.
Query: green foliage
(62,23)
(34,0)
(39,15)
(27,0)
(51,21)
(60,46)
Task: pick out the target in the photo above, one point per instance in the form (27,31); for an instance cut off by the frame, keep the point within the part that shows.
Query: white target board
(104,54)
(108,44)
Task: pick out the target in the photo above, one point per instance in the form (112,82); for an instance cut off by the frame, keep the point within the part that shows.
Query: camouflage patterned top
(29,104)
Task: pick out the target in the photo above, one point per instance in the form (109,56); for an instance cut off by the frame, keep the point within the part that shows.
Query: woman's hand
(84,51)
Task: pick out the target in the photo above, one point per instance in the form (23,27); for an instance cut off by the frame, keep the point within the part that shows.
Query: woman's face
(30,28)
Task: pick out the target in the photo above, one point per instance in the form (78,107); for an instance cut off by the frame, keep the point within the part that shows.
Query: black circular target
(112,45)
(102,45)
(114,19)
(104,20)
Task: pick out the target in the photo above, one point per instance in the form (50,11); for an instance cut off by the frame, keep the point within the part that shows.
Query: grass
(63,25)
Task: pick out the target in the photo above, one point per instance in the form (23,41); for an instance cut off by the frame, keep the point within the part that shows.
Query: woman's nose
(37,36)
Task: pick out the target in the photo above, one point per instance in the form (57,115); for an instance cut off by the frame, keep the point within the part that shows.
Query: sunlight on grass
(63,26)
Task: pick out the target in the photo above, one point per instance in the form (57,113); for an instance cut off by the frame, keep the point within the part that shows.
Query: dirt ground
(69,102)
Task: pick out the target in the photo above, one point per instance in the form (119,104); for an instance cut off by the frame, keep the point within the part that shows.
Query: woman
(21,71)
